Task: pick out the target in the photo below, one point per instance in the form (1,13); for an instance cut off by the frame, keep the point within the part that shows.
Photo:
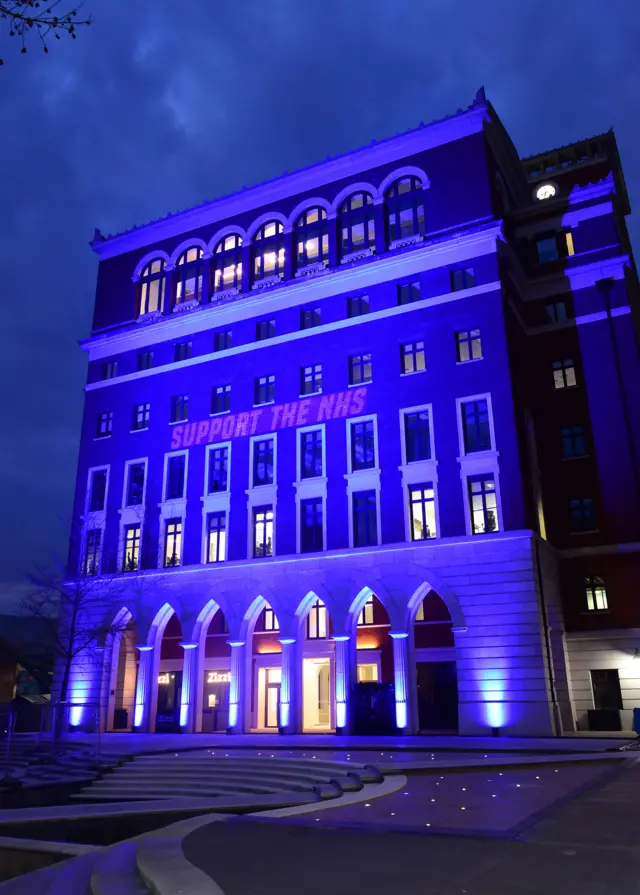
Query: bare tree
(27,17)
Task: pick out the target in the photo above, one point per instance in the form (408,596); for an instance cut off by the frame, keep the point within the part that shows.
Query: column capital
(236,642)
(286,640)
(189,645)
(340,638)
(398,635)
(143,647)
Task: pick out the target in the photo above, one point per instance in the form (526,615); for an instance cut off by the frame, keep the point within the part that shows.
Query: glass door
(272,697)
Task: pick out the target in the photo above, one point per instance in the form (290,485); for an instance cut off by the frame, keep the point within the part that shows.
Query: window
(179,408)
(135,485)
(582,512)
(92,552)
(408,293)
(270,620)
(268,251)
(221,398)
(417,436)
(265,329)
(547,248)
(605,683)
(109,369)
(312,237)
(468,345)
(412,358)
(475,426)
(483,504)
(596,593)
(405,209)
(420,612)
(98,490)
(311,380)
(222,340)
(189,276)
(366,613)
(359,369)
(141,414)
(317,627)
(176,467)
(574,442)
(104,424)
(423,512)
(367,673)
(152,285)
(311,535)
(564,373)
(309,317)
(227,264)
(365,525)
(262,531)
(217,479)
(556,312)
(311,454)
(463,278)
(264,389)
(144,361)
(131,554)
(357,305)
(263,462)
(357,225)
(216,537)
(172,543)
(363,453)
(182,351)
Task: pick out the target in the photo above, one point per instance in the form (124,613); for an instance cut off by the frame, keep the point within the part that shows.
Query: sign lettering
(164,678)
(219,677)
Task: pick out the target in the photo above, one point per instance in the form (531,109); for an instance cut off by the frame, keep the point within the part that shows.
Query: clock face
(545,191)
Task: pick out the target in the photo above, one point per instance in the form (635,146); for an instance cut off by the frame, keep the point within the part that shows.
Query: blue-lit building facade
(358,450)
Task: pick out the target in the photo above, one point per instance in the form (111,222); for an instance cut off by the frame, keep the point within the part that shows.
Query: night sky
(160,105)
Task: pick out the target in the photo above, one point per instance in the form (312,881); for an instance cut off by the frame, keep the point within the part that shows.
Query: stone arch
(266,218)
(404,171)
(119,671)
(360,187)
(191,243)
(446,594)
(305,205)
(219,235)
(319,592)
(159,623)
(254,609)
(146,259)
(379,591)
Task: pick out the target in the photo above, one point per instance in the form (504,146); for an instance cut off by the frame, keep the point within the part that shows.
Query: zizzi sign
(261,420)
(219,677)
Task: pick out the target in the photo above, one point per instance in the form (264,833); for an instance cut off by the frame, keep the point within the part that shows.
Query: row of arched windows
(404,215)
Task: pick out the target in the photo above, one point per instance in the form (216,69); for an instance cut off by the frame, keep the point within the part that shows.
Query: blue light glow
(233,714)
(341,714)
(75,716)
(401,714)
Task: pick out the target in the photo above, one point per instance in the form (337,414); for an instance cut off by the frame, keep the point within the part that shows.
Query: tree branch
(25,17)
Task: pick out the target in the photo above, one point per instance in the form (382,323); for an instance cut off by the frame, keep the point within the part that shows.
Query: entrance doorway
(316,697)
(271,679)
(168,711)
(437,695)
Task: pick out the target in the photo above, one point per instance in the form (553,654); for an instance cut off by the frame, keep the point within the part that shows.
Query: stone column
(247,272)
(144,689)
(289,254)
(400,676)
(334,240)
(237,687)
(189,692)
(205,297)
(343,682)
(380,219)
(287,685)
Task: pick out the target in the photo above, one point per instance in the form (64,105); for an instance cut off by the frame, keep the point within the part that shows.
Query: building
(358,439)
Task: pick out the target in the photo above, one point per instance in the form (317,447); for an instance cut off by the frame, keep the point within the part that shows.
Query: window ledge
(177,422)
(310,269)
(267,281)
(101,437)
(311,394)
(220,413)
(590,531)
(479,455)
(406,241)
(414,372)
(264,404)
(151,317)
(222,294)
(143,429)
(472,360)
(365,252)
(185,306)
(360,384)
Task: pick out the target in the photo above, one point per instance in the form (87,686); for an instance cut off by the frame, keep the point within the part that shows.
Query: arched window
(357,226)
(189,276)
(227,264)
(268,251)
(312,237)
(317,622)
(152,284)
(405,209)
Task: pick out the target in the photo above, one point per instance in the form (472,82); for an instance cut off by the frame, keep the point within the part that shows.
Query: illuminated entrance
(316,696)
(266,671)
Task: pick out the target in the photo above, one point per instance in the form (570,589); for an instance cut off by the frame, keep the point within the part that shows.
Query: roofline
(607,134)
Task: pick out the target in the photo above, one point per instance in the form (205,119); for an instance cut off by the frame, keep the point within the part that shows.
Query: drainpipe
(547,643)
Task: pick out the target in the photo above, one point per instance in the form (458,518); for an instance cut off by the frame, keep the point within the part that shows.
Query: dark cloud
(156,107)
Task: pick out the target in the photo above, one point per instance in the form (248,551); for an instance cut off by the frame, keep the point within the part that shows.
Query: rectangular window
(311,538)
(131,554)
(217,479)
(359,369)
(574,442)
(311,379)
(270,621)
(412,358)
(182,351)
(596,593)
(220,398)
(262,531)
(309,317)
(468,344)
(141,413)
(564,373)
(98,490)
(422,512)
(179,408)
(144,361)
(463,278)
(605,683)
(363,450)
(483,504)
(582,512)
(357,305)
(265,329)
(216,537)
(408,293)
(311,464)
(547,248)
(263,462)
(367,673)
(109,369)
(264,389)
(365,524)
(475,426)
(222,340)
(556,312)
(104,424)
(91,563)
(568,236)
(172,543)
(176,477)
(417,436)
(135,485)
(366,614)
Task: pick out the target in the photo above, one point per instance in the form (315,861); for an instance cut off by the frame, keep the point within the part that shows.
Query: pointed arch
(159,623)
(203,621)
(446,594)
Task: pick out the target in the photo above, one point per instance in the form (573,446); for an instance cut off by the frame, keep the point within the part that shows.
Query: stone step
(133,772)
(176,791)
(249,759)
(116,872)
(74,877)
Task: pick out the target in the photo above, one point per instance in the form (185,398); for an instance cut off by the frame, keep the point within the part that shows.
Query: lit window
(462,278)
(109,369)
(263,462)
(311,533)
(367,673)
(423,512)
(475,426)
(412,358)
(574,442)
(152,285)
(468,345)
(596,593)
(270,620)
(218,470)
(172,543)
(222,340)
(220,398)
(265,329)
(182,351)
(420,612)
(569,242)
(363,452)
(91,562)
(582,513)
(98,490)
(309,317)
(365,523)
(312,237)
(179,408)
(311,454)
(359,369)
(262,531)
(408,293)
(264,389)
(317,627)
(564,373)
(189,276)
(405,209)
(216,537)
(268,251)
(131,554)
(144,361)
(141,413)
(176,467)
(357,305)
(104,424)
(311,380)
(356,224)
(483,504)
(366,613)
(135,484)
(227,264)
(417,436)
